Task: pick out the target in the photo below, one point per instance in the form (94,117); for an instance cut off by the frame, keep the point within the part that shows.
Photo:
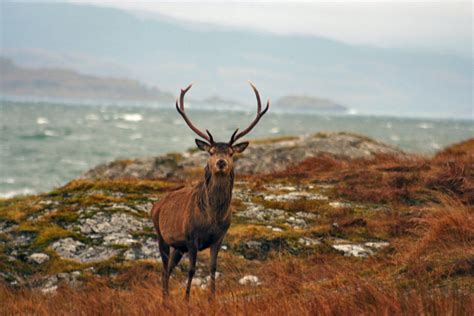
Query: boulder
(268,156)
(38,258)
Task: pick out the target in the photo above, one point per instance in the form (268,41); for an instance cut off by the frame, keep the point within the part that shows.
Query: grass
(422,206)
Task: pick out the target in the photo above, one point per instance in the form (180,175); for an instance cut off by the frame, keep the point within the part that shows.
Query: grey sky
(443,26)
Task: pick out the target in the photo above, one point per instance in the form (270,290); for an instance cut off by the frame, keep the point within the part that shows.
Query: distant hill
(307,103)
(61,83)
(170,53)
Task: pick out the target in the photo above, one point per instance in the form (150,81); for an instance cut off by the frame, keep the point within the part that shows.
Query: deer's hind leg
(165,253)
(175,257)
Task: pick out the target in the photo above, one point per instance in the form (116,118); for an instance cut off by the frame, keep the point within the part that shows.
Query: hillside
(61,83)
(306,103)
(380,233)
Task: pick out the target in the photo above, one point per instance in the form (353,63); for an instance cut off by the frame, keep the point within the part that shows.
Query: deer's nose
(221,163)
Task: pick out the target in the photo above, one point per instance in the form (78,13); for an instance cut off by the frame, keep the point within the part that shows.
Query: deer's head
(220,161)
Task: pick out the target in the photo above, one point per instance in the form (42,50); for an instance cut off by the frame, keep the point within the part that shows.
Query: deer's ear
(240,147)
(202,145)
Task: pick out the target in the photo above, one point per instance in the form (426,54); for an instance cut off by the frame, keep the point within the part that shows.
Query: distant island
(217,100)
(62,83)
(307,103)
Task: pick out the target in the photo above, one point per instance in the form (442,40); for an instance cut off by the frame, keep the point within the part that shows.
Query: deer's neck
(218,192)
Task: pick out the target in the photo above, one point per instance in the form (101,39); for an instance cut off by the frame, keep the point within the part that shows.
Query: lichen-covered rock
(148,249)
(71,249)
(103,224)
(360,250)
(308,242)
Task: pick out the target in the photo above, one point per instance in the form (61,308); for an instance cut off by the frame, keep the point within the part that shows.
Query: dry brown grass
(320,285)
(395,179)
(428,272)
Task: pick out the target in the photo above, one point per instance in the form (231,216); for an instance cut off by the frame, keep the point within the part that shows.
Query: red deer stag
(196,218)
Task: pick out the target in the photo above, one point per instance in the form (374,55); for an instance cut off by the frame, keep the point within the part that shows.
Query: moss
(58,265)
(177,157)
(17,209)
(122,163)
(49,234)
(126,186)
(65,216)
(328,134)
(273,140)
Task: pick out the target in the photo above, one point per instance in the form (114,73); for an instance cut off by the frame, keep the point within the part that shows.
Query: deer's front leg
(213,267)
(192,252)
(164,252)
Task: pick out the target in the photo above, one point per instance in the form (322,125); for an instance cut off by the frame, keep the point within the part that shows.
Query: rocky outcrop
(267,156)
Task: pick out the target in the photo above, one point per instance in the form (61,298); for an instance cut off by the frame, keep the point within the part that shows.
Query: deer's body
(195,215)
(196,218)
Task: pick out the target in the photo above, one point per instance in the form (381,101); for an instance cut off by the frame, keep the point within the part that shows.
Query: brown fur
(196,218)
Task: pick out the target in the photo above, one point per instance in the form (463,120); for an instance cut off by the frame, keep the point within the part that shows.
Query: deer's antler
(260,113)
(180,109)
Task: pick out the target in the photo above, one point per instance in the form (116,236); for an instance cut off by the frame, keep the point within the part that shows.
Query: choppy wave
(50,133)
(131,117)
(7,180)
(136,136)
(13,193)
(395,138)
(125,126)
(425,125)
(92,117)
(42,121)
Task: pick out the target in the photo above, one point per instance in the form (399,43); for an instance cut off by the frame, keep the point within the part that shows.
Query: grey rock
(309,242)
(259,213)
(48,290)
(20,240)
(296,222)
(296,195)
(337,204)
(250,280)
(105,224)
(377,244)
(147,250)
(7,226)
(38,258)
(306,215)
(356,250)
(122,239)
(69,248)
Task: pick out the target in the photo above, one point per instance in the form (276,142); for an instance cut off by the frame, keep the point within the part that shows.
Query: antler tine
(232,138)
(211,139)
(260,113)
(180,109)
(259,102)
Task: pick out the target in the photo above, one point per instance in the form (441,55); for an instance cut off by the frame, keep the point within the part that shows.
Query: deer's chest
(206,235)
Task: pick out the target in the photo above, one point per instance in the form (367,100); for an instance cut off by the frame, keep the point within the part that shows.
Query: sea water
(44,145)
